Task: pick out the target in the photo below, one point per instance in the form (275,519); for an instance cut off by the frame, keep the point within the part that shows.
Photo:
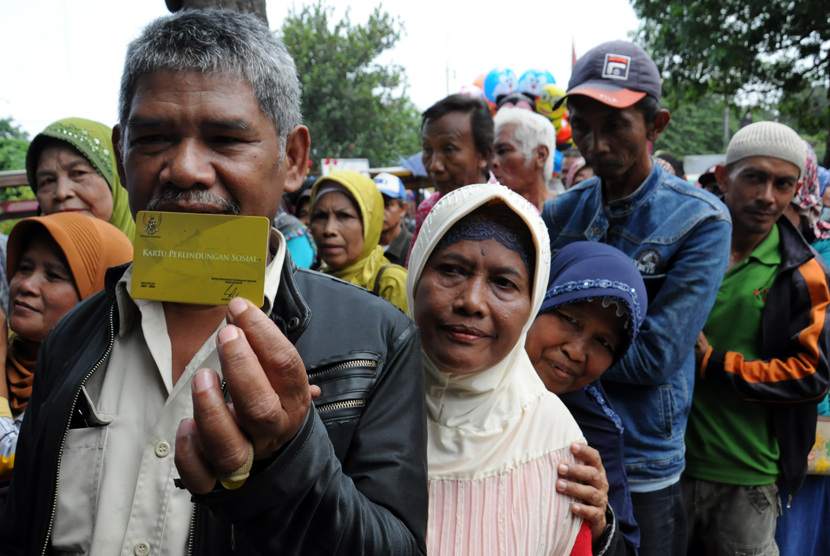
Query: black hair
(573,152)
(675,163)
(293,198)
(648,106)
(481,121)
(401,202)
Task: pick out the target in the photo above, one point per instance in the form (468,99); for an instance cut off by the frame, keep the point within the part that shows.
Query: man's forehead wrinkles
(153,122)
(228,124)
(142,121)
(452,132)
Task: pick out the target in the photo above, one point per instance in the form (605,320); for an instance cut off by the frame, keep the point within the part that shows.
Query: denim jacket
(679,236)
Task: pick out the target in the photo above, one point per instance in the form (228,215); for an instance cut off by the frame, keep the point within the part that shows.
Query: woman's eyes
(449,269)
(606,344)
(567,318)
(505,283)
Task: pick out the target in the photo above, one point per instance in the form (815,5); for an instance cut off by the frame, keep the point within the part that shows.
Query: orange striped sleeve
(804,364)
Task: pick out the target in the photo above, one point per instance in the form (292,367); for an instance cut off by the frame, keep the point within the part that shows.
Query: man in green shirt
(764,341)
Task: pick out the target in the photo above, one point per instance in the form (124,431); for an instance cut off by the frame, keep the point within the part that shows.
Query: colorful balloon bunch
(500,88)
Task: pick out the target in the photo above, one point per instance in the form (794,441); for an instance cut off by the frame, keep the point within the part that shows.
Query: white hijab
(490,422)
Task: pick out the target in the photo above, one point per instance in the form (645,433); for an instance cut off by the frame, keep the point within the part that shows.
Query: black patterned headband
(494,222)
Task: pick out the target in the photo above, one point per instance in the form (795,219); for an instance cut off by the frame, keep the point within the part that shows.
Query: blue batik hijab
(587,271)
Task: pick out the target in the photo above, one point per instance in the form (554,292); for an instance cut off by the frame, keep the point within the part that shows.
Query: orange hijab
(90,246)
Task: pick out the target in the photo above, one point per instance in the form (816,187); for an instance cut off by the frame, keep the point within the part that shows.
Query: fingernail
(228,333)
(203,381)
(237,306)
(577,507)
(563,468)
(561,485)
(187,427)
(576,447)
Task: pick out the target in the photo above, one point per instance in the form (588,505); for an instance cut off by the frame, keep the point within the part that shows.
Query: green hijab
(364,271)
(94,141)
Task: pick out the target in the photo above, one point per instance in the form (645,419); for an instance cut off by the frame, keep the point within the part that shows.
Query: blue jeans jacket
(679,237)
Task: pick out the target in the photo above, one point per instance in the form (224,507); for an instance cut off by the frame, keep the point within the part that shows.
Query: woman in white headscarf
(477,277)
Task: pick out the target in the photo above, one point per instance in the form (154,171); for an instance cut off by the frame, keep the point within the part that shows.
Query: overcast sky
(61,58)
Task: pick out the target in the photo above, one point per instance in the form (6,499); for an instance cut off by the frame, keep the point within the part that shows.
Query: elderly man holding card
(196,408)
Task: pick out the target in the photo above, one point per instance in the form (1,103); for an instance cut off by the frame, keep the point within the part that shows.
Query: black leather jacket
(352,481)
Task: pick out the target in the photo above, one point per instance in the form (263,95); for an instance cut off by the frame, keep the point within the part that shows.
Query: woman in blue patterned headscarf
(593,309)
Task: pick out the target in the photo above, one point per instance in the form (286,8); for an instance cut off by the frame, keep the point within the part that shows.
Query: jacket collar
(598,215)
(795,251)
(632,203)
(290,312)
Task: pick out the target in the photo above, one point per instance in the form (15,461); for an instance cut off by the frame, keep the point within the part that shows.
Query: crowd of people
(621,364)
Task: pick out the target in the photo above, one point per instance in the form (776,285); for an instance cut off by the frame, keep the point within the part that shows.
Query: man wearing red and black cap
(679,237)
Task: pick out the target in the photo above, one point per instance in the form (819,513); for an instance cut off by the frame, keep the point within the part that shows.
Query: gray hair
(532,130)
(218,41)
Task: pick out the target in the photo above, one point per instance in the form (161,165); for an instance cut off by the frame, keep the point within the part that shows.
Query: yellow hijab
(363,272)
(94,141)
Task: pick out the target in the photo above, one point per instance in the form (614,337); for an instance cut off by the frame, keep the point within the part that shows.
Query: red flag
(573,52)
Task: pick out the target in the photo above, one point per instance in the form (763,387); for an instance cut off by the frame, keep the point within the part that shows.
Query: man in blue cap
(395,237)
(679,237)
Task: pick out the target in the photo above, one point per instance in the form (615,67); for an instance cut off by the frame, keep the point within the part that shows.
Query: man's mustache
(194,196)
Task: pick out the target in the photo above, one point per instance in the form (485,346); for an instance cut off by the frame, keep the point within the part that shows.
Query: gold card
(199,258)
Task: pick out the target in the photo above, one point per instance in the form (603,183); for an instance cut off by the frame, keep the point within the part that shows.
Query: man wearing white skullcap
(761,359)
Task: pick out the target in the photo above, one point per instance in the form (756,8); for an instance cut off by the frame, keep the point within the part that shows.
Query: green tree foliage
(353,106)
(13,145)
(806,111)
(14,142)
(696,127)
(725,47)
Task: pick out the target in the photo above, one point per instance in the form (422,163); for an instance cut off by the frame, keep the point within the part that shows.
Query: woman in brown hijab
(54,262)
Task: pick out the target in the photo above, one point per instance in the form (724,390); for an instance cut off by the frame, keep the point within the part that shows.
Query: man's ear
(722,177)
(656,128)
(116,146)
(542,153)
(297,147)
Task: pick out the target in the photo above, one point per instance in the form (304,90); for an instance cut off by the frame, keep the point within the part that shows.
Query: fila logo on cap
(616,66)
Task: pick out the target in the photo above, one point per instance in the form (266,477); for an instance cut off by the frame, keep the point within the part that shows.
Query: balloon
(549,96)
(563,136)
(479,82)
(557,162)
(532,81)
(498,83)
(517,100)
(471,90)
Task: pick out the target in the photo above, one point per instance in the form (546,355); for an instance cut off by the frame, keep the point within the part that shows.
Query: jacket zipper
(345,365)
(341,405)
(66,432)
(192,536)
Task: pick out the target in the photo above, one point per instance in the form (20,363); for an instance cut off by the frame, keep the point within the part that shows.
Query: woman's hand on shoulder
(585,480)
